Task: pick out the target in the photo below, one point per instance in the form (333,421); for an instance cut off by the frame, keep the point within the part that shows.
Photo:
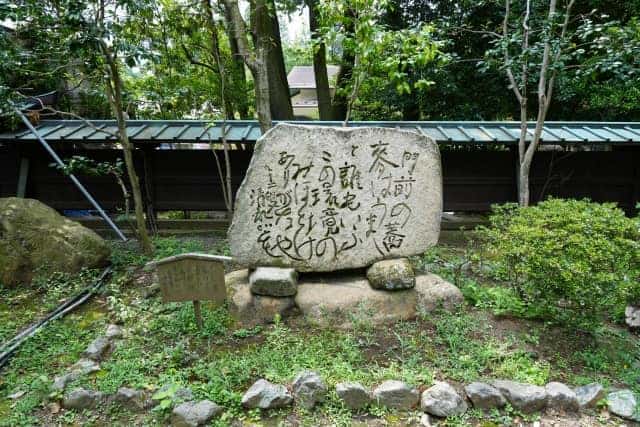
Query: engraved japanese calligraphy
(323,199)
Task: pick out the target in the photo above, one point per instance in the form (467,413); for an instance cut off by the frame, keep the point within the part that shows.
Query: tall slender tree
(93,36)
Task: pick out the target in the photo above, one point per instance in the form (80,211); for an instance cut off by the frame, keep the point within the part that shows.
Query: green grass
(221,361)
(33,301)
(34,365)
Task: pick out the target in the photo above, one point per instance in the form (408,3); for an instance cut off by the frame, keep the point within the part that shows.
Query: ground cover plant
(486,338)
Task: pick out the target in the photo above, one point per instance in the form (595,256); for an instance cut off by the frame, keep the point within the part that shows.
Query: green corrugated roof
(242,131)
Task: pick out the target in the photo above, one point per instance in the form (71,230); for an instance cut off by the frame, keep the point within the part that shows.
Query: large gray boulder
(442,400)
(525,397)
(391,274)
(396,395)
(34,237)
(308,389)
(324,199)
(193,414)
(265,395)
(484,396)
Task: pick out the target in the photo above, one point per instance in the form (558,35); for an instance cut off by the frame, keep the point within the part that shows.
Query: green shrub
(569,261)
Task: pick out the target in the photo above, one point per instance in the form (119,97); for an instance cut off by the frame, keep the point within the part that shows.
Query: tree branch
(505,31)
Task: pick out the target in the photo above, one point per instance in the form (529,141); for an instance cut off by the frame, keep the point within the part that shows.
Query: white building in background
(302,84)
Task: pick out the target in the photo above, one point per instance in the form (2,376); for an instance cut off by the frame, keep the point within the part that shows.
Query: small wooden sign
(192,277)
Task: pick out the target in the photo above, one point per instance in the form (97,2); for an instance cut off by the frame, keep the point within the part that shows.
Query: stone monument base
(340,300)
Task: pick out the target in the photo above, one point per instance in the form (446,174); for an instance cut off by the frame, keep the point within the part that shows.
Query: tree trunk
(267,34)
(319,65)
(256,61)
(340,103)
(215,51)
(523,184)
(238,75)
(261,78)
(114,93)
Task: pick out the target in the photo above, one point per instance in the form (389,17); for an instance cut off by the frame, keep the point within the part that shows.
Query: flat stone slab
(340,299)
(324,199)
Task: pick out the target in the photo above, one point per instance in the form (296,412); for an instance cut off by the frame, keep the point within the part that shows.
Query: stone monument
(324,199)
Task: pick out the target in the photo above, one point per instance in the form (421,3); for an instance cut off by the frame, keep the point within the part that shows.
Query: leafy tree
(180,78)
(376,49)
(531,51)
(96,38)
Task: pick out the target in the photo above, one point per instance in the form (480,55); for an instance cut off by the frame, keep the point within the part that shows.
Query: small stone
(632,316)
(561,397)
(525,397)
(436,293)
(85,366)
(589,395)
(182,394)
(396,395)
(17,395)
(353,395)
(274,281)
(193,414)
(265,395)
(391,274)
(484,396)
(425,420)
(442,400)
(151,290)
(309,389)
(81,367)
(623,404)
(249,309)
(114,331)
(134,400)
(97,348)
(81,398)
(61,382)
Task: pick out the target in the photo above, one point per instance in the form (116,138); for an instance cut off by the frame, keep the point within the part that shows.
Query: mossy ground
(164,346)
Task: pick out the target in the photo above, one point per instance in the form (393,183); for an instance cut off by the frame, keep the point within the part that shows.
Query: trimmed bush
(569,261)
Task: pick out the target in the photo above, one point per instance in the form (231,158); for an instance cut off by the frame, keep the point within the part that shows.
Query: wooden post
(198,313)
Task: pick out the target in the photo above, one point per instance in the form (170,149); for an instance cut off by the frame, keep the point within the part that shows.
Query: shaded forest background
(175,49)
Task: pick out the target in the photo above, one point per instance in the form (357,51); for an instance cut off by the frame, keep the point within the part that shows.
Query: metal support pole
(73,178)
(22,177)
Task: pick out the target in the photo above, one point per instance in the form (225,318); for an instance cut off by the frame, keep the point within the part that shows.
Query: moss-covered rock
(34,237)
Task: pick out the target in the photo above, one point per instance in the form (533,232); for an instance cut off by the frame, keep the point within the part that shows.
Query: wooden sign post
(192,277)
